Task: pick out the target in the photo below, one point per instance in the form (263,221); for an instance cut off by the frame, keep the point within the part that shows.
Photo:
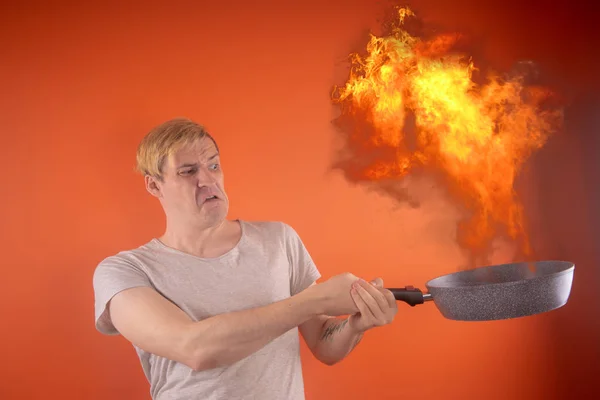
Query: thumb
(378,282)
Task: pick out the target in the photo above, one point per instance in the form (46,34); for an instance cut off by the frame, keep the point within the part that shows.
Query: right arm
(152,323)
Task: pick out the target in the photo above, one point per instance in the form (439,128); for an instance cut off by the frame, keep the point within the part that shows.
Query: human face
(192,190)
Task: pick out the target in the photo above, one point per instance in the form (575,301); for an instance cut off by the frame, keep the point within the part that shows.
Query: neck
(189,238)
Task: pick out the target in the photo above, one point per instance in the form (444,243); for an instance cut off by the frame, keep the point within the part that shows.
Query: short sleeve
(303,271)
(113,275)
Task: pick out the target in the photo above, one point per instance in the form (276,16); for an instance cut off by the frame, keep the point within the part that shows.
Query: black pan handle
(410,295)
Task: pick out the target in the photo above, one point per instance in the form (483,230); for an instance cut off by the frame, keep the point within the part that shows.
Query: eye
(214,167)
(187,171)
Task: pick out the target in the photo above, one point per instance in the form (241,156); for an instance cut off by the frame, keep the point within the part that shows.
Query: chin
(216,214)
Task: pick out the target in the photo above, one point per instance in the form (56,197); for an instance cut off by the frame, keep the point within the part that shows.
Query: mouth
(211,198)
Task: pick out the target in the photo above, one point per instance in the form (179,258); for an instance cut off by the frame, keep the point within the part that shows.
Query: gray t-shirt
(269,263)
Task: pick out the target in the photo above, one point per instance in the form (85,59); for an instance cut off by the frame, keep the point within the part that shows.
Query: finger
(376,294)
(389,296)
(378,282)
(364,291)
(363,308)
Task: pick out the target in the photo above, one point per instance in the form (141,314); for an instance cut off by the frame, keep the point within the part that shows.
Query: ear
(152,186)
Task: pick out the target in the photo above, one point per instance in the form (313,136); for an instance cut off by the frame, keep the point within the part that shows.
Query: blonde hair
(165,139)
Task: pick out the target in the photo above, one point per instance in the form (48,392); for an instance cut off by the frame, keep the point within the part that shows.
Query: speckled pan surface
(503,291)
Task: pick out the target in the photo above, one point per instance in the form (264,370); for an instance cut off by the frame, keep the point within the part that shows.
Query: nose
(205,177)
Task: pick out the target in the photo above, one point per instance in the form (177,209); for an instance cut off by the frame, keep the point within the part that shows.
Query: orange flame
(476,137)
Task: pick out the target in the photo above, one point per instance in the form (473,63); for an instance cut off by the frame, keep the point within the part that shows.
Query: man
(213,307)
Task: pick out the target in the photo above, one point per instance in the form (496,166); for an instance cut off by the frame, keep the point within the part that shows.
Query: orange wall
(80,86)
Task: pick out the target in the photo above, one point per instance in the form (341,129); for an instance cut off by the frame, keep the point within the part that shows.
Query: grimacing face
(192,188)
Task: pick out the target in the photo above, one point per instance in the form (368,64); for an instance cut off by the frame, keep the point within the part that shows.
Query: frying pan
(496,292)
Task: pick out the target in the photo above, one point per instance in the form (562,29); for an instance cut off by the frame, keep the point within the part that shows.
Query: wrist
(356,330)
(313,299)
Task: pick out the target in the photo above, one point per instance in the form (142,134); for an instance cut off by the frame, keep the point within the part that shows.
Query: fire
(411,105)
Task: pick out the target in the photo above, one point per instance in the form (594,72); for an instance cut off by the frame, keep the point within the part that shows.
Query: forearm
(336,341)
(227,338)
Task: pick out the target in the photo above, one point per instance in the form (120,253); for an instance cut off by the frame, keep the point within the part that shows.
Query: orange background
(82,84)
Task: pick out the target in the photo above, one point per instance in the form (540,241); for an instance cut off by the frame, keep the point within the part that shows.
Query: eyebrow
(188,165)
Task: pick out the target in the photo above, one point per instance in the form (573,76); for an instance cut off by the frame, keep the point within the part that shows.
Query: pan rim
(569,270)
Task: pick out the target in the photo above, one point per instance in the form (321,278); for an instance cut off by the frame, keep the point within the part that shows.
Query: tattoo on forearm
(334,327)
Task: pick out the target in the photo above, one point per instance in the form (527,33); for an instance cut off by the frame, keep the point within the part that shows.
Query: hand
(334,295)
(377,306)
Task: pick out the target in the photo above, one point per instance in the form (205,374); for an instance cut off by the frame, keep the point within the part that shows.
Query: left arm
(331,339)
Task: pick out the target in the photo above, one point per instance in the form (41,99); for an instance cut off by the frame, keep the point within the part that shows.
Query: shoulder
(279,229)
(123,263)
(115,273)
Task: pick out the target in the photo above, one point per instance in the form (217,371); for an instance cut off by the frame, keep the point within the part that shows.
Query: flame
(474,137)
